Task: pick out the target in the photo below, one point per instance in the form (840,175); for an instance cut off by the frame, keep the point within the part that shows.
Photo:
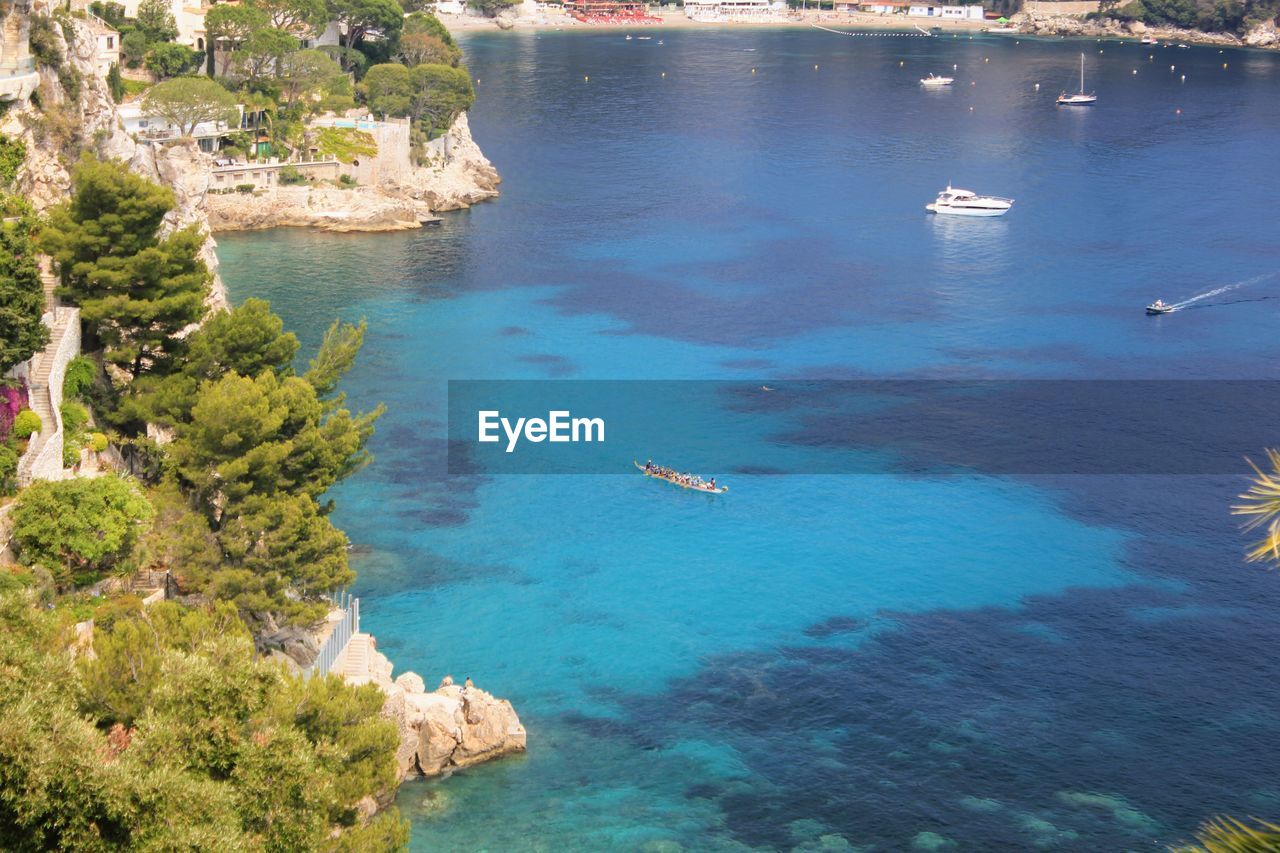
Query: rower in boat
(1159,307)
(684,481)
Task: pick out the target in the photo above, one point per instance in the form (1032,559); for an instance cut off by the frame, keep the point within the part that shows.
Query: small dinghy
(1160,307)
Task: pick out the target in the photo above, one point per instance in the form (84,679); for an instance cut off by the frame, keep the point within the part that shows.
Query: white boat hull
(966,211)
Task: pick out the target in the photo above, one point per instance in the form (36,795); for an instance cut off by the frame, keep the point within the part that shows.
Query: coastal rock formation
(56,132)
(1262,35)
(455,727)
(456,175)
(328,208)
(459,175)
(445,730)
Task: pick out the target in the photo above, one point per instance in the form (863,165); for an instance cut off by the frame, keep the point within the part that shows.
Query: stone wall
(43,460)
(392,163)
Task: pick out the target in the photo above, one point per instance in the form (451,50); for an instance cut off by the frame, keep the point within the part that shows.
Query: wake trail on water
(1226,288)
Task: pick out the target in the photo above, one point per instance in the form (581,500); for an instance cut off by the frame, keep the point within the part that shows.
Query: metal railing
(346,628)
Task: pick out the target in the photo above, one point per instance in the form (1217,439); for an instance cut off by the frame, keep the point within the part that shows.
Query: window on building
(111,42)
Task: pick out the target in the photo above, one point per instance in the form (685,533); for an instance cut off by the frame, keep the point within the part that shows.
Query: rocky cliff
(322,206)
(447,729)
(1035,23)
(63,127)
(457,175)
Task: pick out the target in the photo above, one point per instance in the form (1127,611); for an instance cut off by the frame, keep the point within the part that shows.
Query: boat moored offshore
(932,80)
(1081,98)
(967,203)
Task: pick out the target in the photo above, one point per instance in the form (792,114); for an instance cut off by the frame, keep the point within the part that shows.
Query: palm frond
(1231,835)
(1261,504)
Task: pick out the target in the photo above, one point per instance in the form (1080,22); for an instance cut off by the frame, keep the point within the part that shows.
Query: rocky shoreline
(458,177)
(1263,36)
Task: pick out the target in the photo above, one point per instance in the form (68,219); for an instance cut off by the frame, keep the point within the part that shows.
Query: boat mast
(1082,73)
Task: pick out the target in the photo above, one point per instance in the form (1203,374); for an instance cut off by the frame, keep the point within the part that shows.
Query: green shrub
(244,188)
(134,47)
(8,471)
(26,423)
(98,442)
(12,155)
(43,39)
(79,525)
(79,376)
(70,451)
(115,83)
(346,143)
(348,180)
(291,176)
(74,416)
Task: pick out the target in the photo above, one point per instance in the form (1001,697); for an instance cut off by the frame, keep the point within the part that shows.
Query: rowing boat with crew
(684,481)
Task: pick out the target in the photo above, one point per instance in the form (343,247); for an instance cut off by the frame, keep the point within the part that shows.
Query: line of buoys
(872,35)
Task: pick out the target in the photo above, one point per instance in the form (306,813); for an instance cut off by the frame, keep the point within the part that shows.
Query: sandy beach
(676,19)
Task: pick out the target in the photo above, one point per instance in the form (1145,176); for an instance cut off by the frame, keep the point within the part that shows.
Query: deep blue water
(877,661)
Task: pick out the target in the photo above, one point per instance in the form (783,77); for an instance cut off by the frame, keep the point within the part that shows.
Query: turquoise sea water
(875,661)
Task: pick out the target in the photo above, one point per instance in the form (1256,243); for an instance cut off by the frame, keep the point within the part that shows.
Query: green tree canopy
(136,292)
(166,59)
(388,89)
(425,22)
(308,72)
(262,54)
(155,21)
(79,525)
(176,736)
(301,18)
(362,18)
(491,8)
(227,27)
(425,48)
(188,101)
(441,93)
(21,293)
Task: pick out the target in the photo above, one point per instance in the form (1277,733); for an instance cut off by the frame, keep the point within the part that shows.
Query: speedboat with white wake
(931,80)
(1160,307)
(967,203)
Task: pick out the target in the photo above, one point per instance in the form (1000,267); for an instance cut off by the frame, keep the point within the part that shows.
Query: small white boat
(1003,28)
(1081,98)
(1185,46)
(966,203)
(1160,307)
(1150,40)
(931,80)
(628,38)
(644,38)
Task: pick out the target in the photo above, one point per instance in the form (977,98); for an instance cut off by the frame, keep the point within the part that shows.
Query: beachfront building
(188,16)
(207,134)
(730,10)
(609,11)
(954,13)
(881,7)
(106,45)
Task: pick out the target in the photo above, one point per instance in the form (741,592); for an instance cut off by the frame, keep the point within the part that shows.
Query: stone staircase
(41,400)
(354,663)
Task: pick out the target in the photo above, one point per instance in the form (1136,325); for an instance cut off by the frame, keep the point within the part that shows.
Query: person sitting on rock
(447,681)
(467,685)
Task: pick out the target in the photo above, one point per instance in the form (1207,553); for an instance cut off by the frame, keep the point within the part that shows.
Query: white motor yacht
(966,203)
(931,80)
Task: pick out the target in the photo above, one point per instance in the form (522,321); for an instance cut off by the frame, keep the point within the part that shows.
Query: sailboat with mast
(1081,98)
